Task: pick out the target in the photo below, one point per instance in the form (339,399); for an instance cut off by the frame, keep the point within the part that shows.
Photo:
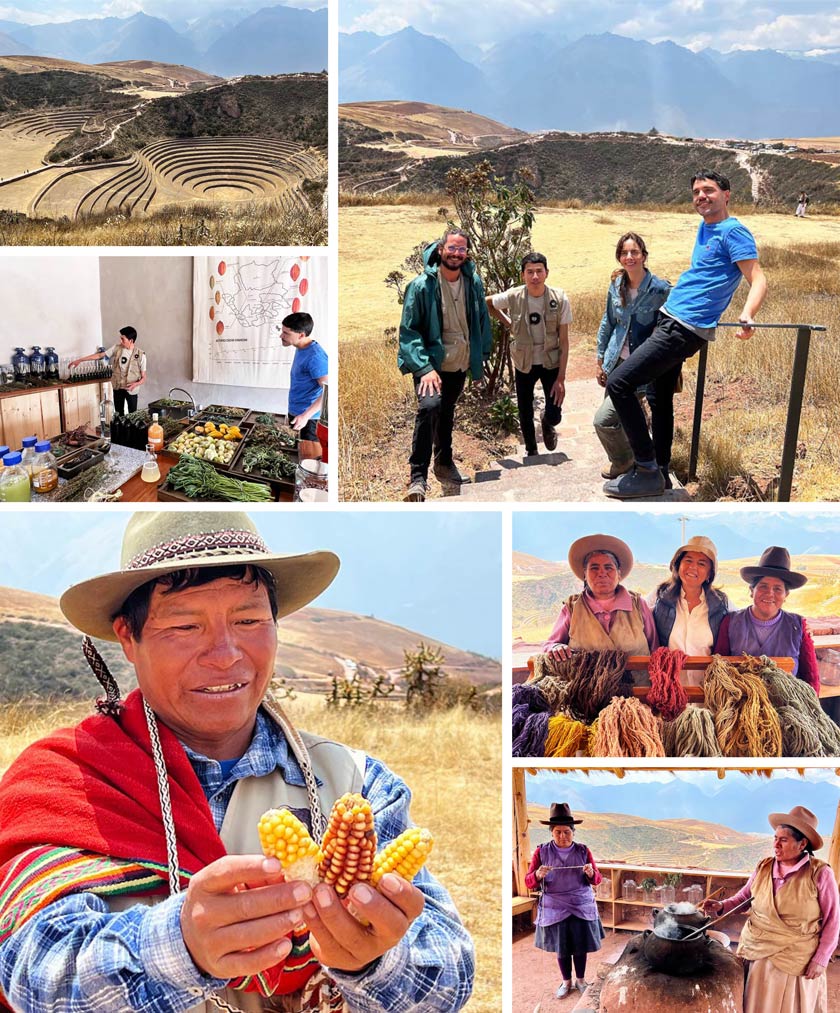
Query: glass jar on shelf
(629,890)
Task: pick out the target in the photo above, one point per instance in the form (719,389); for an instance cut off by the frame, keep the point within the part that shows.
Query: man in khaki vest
(131,867)
(128,369)
(538,317)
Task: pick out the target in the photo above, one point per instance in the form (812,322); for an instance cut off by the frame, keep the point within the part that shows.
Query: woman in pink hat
(794,921)
(568,923)
(765,627)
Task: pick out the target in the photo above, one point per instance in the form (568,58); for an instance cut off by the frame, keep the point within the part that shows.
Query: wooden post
(834,850)
(521,849)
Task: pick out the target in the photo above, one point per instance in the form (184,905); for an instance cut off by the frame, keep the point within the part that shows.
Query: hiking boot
(549,434)
(532,452)
(416,491)
(449,473)
(616,468)
(636,484)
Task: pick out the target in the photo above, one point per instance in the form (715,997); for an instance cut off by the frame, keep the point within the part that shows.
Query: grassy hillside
(53,88)
(292,107)
(785,177)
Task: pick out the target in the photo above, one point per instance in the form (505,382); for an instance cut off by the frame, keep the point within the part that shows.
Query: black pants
(433,425)
(122,398)
(525,385)
(656,362)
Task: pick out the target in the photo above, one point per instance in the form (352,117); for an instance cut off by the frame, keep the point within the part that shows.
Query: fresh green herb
(272,438)
(269,463)
(200,480)
(224,409)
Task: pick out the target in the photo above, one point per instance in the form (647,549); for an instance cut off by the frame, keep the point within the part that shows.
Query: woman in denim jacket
(633,301)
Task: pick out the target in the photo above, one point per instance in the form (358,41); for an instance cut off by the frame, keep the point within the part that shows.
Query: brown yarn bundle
(691,733)
(555,690)
(806,729)
(551,663)
(627,727)
(592,679)
(746,723)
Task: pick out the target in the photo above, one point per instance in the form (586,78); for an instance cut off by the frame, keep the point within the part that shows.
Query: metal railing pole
(698,412)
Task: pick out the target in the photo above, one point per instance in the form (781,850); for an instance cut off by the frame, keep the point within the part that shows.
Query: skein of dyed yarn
(594,678)
(806,729)
(666,693)
(555,690)
(550,663)
(565,736)
(529,721)
(746,723)
(627,727)
(691,733)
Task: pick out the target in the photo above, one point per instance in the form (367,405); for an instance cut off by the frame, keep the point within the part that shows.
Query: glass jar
(14,480)
(27,455)
(3,452)
(44,468)
(628,889)
(150,472)
(311,474)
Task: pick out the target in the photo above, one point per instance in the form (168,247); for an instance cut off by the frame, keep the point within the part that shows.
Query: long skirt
(770,990)
(572,935)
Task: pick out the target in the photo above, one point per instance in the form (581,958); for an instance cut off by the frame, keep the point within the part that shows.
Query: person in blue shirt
(724,252)
(310,371)
(633,300)
(131,873)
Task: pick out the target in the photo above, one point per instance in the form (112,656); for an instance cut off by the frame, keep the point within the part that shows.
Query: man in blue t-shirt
(724,252)
(310,370)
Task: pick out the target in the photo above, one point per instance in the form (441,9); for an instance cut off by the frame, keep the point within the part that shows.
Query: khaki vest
(521,343)
(786,926)
(626,634)
(120,377)
(339,769)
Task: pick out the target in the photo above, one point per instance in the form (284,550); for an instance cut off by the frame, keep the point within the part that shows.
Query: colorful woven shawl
(91,792)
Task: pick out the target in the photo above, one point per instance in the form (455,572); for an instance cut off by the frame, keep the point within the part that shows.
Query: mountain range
(599,82)
(273,40)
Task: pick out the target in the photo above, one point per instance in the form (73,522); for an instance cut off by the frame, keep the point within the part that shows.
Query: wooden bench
(522,905)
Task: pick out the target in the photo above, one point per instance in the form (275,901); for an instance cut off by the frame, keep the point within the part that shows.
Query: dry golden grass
(451,760)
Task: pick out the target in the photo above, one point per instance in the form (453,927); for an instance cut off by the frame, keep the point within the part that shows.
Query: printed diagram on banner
(239,303)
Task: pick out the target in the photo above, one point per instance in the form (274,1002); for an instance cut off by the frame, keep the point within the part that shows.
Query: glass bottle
(27,456)
(3,452)
(14,480)
(151,471)
(44,468)
(155,435)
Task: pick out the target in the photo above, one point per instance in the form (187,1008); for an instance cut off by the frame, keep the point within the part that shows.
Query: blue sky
(698,24)
(653,537)
(35,12)
(737,801)
(437,572)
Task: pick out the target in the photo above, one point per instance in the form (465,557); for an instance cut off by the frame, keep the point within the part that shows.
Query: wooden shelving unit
(619,914)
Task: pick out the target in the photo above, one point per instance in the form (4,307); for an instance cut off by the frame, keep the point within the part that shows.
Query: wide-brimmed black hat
(774,562)
(560,815)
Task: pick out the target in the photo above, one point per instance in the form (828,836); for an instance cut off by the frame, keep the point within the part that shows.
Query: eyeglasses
(457,249)
(631,253)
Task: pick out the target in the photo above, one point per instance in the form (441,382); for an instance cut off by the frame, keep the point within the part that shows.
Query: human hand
(73,363)
(542,872)
(300,421)
(746,330)
(600,376)
(562,649)
(814,970)
(238,913)
(589,870)
(712,907)
(558,392)
(340,940)
(430,383)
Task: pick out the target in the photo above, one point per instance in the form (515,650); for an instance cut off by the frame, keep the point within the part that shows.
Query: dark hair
(637,239)
(135,609)
(129,332)
(301,323)
(716,177)
(534,258)
(753,582)
(798,836)
(669,590)
(452,232)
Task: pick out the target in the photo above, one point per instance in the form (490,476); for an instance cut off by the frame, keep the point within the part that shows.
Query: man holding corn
(130,872)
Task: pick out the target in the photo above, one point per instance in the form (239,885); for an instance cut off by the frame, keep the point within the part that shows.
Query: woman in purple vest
(567,917)
(765,627)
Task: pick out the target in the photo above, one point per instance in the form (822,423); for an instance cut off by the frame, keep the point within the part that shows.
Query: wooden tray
(278,485)
(82,460)
(191,429)
(166,494)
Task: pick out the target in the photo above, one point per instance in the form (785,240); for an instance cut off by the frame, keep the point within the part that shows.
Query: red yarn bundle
(666,694)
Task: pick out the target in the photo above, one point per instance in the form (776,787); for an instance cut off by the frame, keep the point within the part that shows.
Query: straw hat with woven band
(800,819)
(775,562)
(698,543)
(579,549)
(156,543)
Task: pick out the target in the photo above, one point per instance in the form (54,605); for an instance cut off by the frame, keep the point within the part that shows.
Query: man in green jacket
(444,333)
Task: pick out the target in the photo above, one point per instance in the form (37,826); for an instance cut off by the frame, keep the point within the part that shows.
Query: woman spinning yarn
(765,627)
(567,917)
(792,929)
(605,616)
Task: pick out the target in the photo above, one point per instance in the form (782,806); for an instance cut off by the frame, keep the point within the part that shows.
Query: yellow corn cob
(283,836)
(349,844)
(405,855)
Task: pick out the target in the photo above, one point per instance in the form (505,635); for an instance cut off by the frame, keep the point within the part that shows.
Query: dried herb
(269,463)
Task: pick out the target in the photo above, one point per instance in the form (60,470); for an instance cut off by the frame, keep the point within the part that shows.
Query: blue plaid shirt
(77,956)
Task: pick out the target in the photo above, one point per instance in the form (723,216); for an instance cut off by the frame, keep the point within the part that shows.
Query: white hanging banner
(238,303)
